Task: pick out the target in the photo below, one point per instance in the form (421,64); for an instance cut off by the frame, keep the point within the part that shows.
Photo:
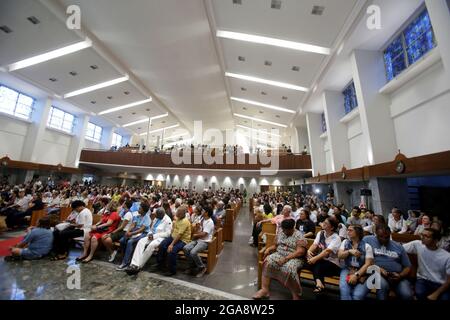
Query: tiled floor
(234,277)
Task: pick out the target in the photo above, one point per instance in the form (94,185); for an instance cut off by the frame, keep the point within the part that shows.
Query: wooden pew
(404,237)
(267,228)
(219,235)
(96,218)
(36,215)
(64,213)
(228,227)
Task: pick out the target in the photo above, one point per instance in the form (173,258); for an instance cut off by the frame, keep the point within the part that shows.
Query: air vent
(5,29)
(296,68)
(53,79)
(261,112)
(133,113)
(284,97)
(318,10)
(241,58)
(109,97)
(33,20)
(94,67)
(126,93)
(276,4)
(244,89)
(147,109)
(120,117)
(277,116)
(264,93)
(268,63)
(244,108)
(93,102)
(237,1)
(73,73)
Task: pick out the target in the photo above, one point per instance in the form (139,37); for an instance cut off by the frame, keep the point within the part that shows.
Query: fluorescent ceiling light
(96,87)
(265,81)
(261,131)
(268,106)
(130,105)
(260,120)
(258,138)
(145,120)
(273,42)
(50,55)
(157,130)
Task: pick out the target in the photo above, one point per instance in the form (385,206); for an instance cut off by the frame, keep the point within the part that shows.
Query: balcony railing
(197,160)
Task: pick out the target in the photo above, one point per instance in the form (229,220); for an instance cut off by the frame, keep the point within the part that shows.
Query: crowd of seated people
(141,220)
(347,245)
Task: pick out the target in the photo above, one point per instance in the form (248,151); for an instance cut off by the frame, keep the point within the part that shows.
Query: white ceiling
(171,47)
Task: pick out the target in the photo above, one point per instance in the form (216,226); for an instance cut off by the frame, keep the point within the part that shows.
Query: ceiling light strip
(145,120)
(127,106)
(96,87)
(260,120)
(264,105)
(273,42)
(50,55)
(266,81)
(158,130)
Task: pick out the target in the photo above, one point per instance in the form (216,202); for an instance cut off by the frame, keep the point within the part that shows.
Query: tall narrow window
(410,45)
(94,132)
(350,100)
(324,123)
(117,140)
(15,103)
(61,120)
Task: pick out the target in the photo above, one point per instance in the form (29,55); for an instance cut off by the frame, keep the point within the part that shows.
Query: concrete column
(333,103)
(440,19)
(36,130)
(77,143)
(374,108)
(388,193)
(302,134)
(314,121)
(107,137)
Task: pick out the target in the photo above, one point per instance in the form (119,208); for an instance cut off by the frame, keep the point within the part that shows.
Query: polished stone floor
(235,277)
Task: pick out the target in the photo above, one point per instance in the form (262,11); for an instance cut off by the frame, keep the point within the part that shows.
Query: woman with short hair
(283,260)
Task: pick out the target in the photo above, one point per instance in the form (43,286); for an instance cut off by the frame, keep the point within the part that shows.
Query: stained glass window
(350,100)
(406,49)
(324,123)
(15,103)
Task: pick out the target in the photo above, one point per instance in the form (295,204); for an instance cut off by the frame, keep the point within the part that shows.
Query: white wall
(12,137)
(88,144)
(358,149)
(53,148)
(421,113)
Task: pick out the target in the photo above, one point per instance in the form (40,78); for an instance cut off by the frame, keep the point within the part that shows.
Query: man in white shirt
(396,222)
(199,243)
(433,273)
(160,228)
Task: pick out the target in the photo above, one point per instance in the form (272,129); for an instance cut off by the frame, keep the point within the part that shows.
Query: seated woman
(108,223)
(260,216)
(284,263)
(305,225)
(425,223)
(357,256)
(322,255)
(36,244)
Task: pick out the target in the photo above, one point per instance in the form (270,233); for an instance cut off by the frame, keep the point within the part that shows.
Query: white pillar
(314,123)
(77,142)
(107,137)
(439,12)
(36,130)
(333,103)
(302,136)
(374,108)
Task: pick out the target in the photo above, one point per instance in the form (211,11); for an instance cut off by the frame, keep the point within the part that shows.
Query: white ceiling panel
(263,113)
(27,39)
(282,62)
(293,21)
(61,67)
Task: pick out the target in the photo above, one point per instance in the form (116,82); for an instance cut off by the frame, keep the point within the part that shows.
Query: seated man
(199,243)
(394,264)
(138,230)
(36,244)
(433,273)
(160,229)
(181,235)
(219,214)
